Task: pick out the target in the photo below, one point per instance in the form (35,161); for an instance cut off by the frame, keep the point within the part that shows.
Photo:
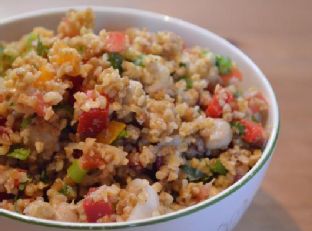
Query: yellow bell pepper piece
(64,54)
(47,73)
(109,135)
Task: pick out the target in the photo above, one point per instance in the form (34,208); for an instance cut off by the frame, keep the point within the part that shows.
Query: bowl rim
(267,152)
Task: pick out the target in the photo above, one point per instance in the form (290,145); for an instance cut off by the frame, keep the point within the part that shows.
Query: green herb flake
(193,174)
(139,61)
(256,118)
(116,61)
(218,168)
(67,190)
(20,153)
(26,121)
(122,134)
(239,128)
(75,172)
(188,81)
(22,186)
(224,64)
(181,64)
(237,94)
(30,40)
(81,49)
(204,53)
(41,49)
(6,60)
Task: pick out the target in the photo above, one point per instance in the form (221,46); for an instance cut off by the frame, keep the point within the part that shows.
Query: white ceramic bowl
(220,213)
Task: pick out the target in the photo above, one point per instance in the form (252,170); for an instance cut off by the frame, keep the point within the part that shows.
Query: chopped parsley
(238,128)
(34,42)
(22,186)
(41,49)
(20,153)
(26,121)
(116,61)
(224,64)
(188,81)
(193,174)
(139,61)
(218,168)
(122,134)
(67,190)
(6,60)
(81,49)
(181,64)
(256,118)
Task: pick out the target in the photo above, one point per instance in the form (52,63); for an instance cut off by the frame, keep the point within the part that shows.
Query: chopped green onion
(41,49)
(81,49)
(22,186)
(122,134)
(256,118)
(30,39)
(239,128)
(224,64)
(237,94)
(75,172)
(188,81)
(20,153)
(181,64)
(38,46)
(67,190)
(5,60)
(218,168)
(204,53)
(139,61)
(26,121)
(116,61)
(193,174)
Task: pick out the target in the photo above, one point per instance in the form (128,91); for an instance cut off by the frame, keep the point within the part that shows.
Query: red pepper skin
(96,209)
(93,122)
(253,132)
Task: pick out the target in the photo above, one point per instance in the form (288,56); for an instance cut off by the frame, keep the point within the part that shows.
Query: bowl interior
(121,18)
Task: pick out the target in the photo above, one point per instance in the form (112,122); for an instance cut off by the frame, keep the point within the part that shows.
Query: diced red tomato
(235,73)
(77,83)
(96,209)
(40,105)
(2,121)
(77,86)
(16,183)
(214,109)
(204,192)
(253,133)
(6,196)
(93,122)
(91,162)
(115,41)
